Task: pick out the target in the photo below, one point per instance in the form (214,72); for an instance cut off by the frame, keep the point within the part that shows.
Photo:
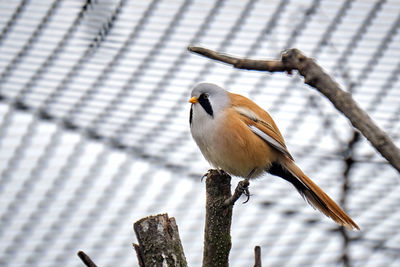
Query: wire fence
(94,127)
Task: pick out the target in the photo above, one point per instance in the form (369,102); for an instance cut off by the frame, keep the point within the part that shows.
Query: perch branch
(240,63)
(315,76)
(217,237)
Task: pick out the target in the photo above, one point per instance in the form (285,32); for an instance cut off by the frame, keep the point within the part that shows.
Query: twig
(86,259)
(315,76)
(257,256)
(240,63)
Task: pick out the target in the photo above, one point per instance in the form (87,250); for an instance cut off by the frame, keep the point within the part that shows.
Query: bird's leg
(241,188)
(245,185)
(245,188)
(219,170)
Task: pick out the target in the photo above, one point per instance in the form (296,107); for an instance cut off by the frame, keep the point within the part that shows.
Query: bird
(237,136)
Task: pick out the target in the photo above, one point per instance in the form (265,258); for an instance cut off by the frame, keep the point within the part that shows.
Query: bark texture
(159,242)
(217,236)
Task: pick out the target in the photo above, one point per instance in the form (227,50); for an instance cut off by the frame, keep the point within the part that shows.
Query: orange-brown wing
(259,122)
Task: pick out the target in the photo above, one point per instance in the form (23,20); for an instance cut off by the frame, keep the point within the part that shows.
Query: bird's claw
(220,172)
(206,174)
(247,194)
(244,188)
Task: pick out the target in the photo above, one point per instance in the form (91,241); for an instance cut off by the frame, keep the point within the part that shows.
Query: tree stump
(159,242)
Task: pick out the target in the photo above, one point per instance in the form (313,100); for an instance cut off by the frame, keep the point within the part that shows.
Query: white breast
(204,130)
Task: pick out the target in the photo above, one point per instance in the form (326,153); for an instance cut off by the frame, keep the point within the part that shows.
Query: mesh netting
(94,127)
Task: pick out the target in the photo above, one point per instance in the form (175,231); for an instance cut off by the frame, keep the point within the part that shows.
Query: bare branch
(240,63)
(315,76)
(86,259)
(217,237)
(257,256)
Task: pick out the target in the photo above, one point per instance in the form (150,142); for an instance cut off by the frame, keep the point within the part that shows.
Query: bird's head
(208,99)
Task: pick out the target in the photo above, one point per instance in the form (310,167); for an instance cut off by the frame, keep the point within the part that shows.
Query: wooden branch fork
(315,76)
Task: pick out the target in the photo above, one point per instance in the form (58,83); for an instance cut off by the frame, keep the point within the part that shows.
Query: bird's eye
(205,103)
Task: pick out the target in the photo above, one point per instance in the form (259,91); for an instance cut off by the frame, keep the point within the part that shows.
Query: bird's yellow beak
(194,100)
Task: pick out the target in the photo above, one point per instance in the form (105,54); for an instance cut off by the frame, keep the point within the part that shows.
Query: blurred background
(94,131)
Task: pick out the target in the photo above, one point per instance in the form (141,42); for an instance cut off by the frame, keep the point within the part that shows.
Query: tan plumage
(320,200)
(239,137)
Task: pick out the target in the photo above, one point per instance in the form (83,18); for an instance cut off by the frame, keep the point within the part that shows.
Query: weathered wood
(159,242)
(217,238)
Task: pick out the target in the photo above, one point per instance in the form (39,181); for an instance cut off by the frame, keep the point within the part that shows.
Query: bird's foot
(241,189)
(244,188)
(220,172)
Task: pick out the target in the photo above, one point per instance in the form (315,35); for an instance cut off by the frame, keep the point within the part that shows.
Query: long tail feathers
(315,196)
